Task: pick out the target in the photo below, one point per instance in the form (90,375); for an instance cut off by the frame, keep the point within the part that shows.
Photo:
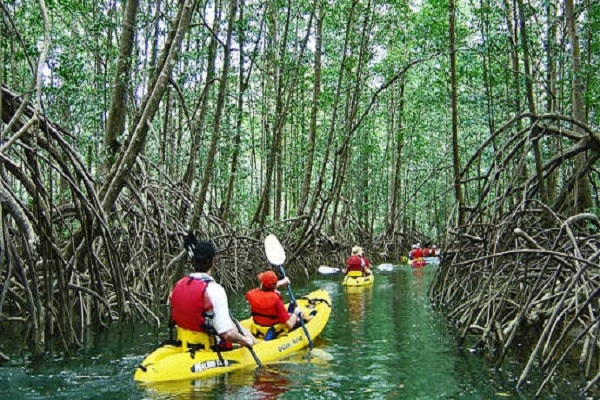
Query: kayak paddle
(241,331)
(276,256)
(326,270)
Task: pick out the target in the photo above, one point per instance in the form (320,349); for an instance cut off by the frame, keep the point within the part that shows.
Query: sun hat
(357,250)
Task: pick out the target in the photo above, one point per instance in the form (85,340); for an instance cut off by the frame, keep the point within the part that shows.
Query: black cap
(199,249)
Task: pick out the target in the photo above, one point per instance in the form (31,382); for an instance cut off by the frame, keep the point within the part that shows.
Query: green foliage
(80,70)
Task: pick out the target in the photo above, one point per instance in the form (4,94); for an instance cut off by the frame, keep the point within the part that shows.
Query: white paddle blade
(326,270)
(274,250)
(321,354)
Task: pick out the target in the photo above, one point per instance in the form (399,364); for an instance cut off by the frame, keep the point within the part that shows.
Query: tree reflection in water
(358,300)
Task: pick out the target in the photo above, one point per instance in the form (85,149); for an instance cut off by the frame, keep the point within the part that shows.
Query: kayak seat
(268,332)
(313,301)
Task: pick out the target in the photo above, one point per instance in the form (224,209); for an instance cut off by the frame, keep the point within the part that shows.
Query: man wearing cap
(268,311)
(412,252)
(358,262)
(200,304)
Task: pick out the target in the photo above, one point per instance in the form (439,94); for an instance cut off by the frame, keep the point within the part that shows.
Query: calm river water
(385,342)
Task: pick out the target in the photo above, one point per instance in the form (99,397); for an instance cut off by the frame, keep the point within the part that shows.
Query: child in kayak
(269,314)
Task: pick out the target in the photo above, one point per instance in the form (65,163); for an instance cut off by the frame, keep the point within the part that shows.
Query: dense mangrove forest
(472,125)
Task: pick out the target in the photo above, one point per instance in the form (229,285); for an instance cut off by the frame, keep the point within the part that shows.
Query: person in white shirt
(200,304)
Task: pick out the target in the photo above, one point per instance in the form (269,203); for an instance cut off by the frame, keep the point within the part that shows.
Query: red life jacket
(418,253)
(263,306)
(189,303)
(355,263)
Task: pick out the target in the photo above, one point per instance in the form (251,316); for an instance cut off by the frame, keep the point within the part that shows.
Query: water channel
(385,342)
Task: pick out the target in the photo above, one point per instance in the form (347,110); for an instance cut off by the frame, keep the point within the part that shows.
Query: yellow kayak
(355,278)
(172,362)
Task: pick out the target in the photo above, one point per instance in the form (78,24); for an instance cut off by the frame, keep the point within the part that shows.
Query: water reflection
(270,386)
(418,281)
(260,384)
(358,300)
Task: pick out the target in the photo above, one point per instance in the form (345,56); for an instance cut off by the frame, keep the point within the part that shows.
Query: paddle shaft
(241,331)
(293,299)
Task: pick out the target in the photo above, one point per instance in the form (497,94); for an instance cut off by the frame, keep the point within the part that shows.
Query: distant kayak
(420,262)
(357,279)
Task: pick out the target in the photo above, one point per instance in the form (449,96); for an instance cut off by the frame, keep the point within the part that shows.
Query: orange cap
(268,279)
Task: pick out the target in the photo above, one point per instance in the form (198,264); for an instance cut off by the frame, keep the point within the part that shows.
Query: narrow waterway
(384,342)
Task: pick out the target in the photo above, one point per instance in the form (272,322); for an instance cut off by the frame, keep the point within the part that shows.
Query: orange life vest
(189,303)
(263,306)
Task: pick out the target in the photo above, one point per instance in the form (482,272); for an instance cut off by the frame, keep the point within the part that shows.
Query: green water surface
(385,342)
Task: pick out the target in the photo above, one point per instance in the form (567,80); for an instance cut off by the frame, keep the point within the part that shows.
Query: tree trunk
(398,131)
(164,133)
(199,121)
(117,113)
(312,131)
(582,198)
(531,102)
(243,85)
(552,180)
(515,84)
(137,135)
(212,152)
(282,106)
(455,145)
(351,119)
(274,65)
(310,226)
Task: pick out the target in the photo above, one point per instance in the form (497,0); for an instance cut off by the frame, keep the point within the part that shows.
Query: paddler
(412,252)
(358,262)
(269,314)
(200,305)
(418,252)
(427,251)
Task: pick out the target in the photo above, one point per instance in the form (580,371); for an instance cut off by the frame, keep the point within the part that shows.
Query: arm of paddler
(283,282)
(245,339)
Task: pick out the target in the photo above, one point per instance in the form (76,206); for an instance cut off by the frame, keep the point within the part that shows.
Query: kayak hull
(170,362)
(417,263)
(351,281)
